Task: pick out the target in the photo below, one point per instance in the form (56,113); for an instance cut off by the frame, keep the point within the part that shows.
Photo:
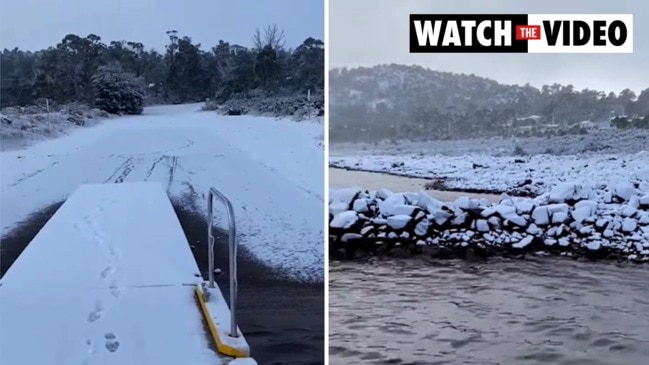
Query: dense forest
(410,102)
(86,70)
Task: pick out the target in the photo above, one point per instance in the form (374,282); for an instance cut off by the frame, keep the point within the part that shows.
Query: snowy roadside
(272,172)
(23,126)
(296,107)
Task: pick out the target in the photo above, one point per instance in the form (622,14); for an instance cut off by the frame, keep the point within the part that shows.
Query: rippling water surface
(540,311)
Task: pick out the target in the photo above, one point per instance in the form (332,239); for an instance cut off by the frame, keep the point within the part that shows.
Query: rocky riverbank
(570,220)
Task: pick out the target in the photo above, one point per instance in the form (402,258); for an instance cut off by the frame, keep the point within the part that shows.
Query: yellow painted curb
(220,346)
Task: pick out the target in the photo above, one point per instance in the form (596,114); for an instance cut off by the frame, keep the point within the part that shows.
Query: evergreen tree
(117,91)
(184,73)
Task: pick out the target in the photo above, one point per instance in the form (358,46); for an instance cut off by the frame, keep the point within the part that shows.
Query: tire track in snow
(127,161)
(122,172)
(172,170)
(155,163)
(30,175)
(188,144)
(127,169)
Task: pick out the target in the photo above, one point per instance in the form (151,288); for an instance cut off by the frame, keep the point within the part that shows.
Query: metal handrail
(233,254)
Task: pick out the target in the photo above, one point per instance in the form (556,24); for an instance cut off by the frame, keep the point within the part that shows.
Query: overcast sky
(370,32)
(38,24)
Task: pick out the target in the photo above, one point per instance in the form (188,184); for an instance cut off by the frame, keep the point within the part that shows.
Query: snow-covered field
(531,175)
(271,170)
(490,165)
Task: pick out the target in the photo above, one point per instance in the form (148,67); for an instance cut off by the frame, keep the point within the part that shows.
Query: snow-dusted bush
(20,126)
(256,102)
(117,91)
(624,122)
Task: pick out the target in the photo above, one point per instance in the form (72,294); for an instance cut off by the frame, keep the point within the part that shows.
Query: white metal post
(233,254)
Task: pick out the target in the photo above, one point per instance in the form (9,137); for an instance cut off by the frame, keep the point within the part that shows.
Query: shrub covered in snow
(625,122)
(116,91)
(570,220)
(259,103)
(19,126)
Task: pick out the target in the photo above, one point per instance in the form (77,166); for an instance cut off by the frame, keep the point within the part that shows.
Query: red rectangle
(528,32)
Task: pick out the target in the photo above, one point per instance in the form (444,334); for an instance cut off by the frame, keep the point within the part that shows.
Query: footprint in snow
(95,315)
(115,290)
(91,348)
(107,272)
(112,344)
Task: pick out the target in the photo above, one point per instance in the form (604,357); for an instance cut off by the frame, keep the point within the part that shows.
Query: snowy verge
(20,127)
(572,220)
(520,176)
(299,107)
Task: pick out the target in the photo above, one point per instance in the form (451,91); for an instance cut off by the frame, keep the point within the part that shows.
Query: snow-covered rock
(524,242)
(565,192)
(344,196)
(629,225)
(559,217)
(392,204)
(541,216)
(625,191)
(524,206)
(628,211)
(348,237)
(337,207)
(644,200)
(344,220)
(361,205)
(482,225)
(465,203)
(399,222)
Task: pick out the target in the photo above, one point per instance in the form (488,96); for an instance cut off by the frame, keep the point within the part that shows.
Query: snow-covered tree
(117,91)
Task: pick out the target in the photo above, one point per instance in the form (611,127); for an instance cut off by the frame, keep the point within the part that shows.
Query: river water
(340,178)
(537,311)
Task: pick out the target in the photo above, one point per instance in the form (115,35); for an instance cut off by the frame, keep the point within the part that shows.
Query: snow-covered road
(272,171)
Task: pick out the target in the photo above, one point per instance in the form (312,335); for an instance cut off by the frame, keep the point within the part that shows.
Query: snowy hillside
(398,102)
(387,83)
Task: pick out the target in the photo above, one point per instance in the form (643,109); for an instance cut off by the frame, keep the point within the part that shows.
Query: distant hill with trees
(394,102)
